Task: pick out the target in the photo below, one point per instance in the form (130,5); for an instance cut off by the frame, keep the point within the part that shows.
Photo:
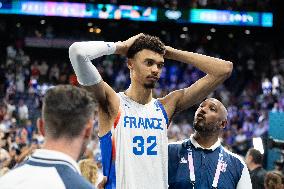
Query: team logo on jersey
(183,160)
(223,166)
(157,106)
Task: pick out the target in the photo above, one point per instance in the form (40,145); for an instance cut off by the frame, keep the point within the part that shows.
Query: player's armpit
(108,103)
(106,97)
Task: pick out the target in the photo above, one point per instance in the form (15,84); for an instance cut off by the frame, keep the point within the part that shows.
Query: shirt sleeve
(244,182)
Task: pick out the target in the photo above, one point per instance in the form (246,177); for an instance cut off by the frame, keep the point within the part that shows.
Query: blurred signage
(136,13)
(226,17)
(180,16)
(128,12)
(85,10)
(53,9)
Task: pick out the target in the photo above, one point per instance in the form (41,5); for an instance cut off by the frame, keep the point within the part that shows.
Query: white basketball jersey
(141,145)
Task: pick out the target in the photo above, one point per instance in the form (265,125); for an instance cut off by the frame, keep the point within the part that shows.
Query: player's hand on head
(168,52)
(123,46)
(131,40)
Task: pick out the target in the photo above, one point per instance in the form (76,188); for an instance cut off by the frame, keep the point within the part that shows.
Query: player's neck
(205,141)
(139,94)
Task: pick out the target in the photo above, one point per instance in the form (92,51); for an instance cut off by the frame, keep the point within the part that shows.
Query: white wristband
(81,54)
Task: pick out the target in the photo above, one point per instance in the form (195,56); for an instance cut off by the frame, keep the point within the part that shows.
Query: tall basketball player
(132,124)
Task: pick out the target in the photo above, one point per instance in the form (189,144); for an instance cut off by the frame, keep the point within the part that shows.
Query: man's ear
(40,126)
(249,158)
(223,124)
(130,63)
(89,128)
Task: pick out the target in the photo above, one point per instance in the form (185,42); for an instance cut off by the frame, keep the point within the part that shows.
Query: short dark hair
(66,110)
(257,157)
(146,42)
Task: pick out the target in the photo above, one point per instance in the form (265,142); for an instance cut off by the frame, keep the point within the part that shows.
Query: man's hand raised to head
(123,46)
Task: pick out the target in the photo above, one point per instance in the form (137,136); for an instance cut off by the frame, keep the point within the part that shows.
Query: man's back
(41,172)
(257,178)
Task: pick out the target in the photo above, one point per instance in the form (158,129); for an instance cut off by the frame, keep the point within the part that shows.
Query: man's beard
(201,127)
(150,85)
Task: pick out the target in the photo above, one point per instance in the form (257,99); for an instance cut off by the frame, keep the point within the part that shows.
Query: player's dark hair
(146,42)
(66,110)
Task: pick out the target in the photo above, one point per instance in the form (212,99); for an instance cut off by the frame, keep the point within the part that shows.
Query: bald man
(201,162)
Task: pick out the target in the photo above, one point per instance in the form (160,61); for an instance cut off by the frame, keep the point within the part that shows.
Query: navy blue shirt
(234,173)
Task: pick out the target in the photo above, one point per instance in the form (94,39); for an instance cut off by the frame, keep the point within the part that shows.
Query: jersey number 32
(139,145)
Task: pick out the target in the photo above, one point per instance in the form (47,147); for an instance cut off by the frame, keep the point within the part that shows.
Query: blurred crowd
(24,81)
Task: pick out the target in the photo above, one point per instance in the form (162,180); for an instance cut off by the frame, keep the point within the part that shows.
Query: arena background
(34,41)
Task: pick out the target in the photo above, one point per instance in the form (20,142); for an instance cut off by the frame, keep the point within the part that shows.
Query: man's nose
(203,110)
(155,68)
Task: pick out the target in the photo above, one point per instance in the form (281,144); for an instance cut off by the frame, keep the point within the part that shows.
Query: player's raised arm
(217,71)
(81,54)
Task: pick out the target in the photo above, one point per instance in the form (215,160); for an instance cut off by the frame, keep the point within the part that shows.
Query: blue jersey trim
(70,178)
(107,162)
(163,111)
(53,160)
(105,136)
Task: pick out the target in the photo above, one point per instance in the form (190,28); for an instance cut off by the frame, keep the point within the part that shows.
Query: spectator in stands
(89,170)
(23,112)
(14,153)
(241,144)
(35,72)
(273,180)
(54,73)
(257,172)
(30,130)
(4,158)
(43,69)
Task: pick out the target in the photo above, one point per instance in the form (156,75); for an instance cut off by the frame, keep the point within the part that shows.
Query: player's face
(146,68)
(207,117)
